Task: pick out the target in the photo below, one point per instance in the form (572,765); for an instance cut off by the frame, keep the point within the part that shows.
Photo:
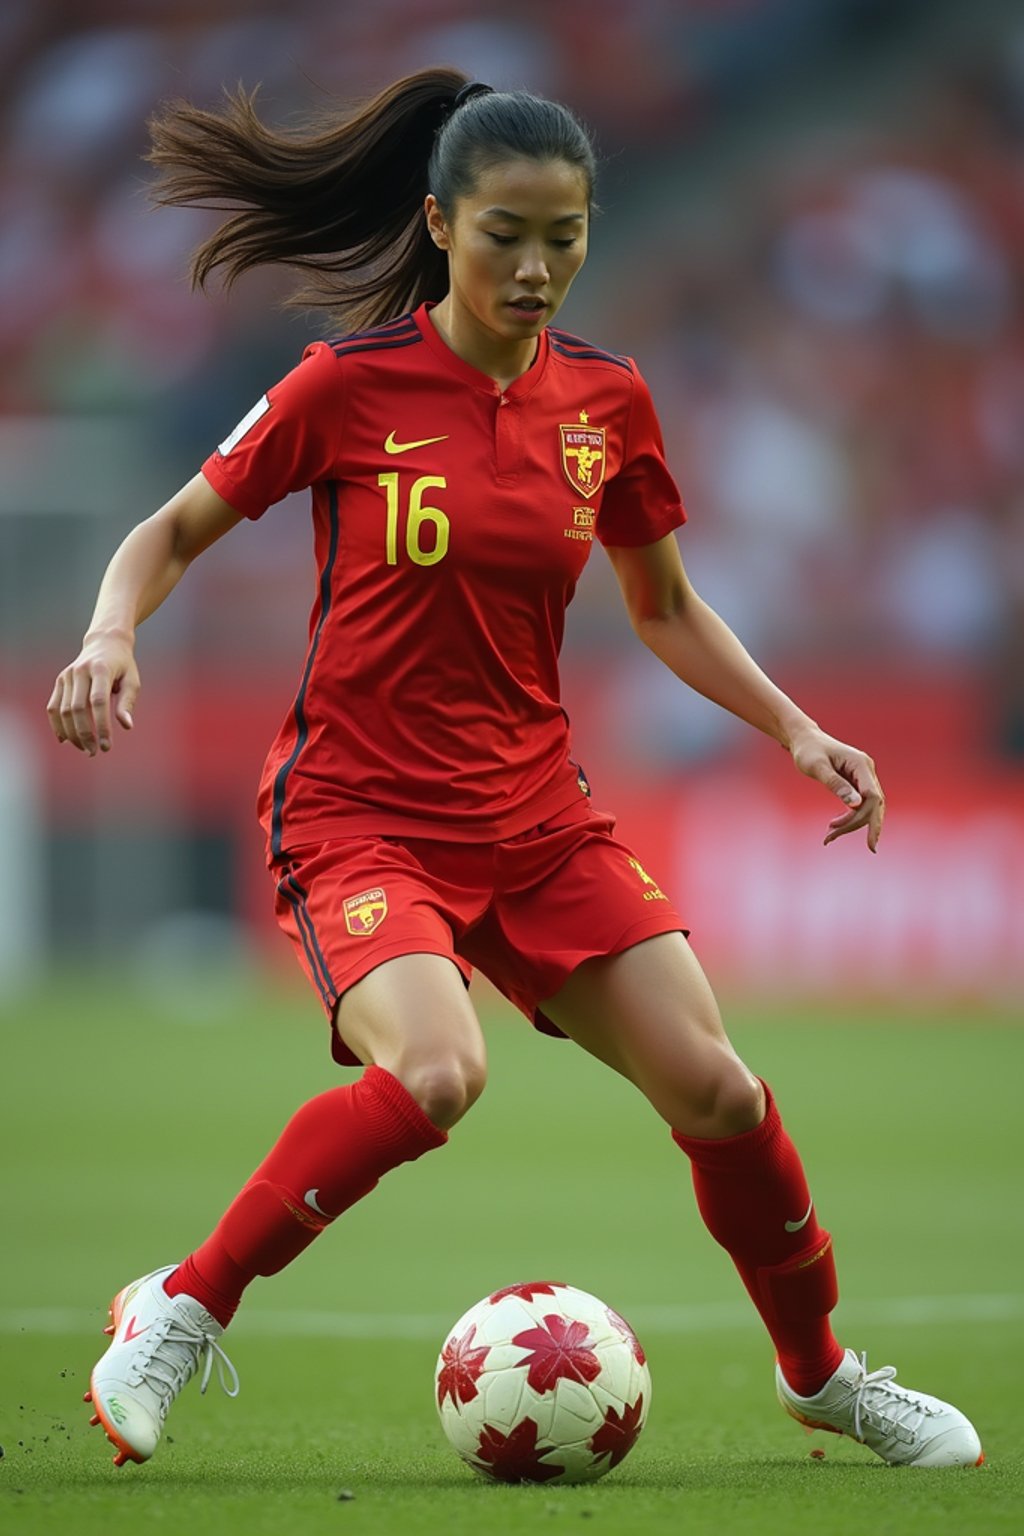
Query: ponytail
(343,202)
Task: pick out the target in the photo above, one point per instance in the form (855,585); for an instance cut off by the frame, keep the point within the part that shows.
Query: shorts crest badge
(365,912)
(583,455)
(652,891)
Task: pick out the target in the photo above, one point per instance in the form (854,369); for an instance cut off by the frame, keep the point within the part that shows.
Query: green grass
(127,1122)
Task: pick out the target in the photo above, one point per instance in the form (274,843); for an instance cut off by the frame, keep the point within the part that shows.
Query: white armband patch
(249,420)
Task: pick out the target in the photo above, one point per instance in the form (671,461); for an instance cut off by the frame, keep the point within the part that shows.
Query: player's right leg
(411,1024)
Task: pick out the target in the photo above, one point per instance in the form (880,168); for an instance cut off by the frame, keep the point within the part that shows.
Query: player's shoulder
(576,351)
(376,343)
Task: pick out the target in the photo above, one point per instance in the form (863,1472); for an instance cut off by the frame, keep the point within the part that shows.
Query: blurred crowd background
(811,238)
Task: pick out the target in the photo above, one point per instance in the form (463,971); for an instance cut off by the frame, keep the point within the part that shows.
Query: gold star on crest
(584,418)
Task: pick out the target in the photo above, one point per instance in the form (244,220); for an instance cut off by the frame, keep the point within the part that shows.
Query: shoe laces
(879,1399)
(172,1353)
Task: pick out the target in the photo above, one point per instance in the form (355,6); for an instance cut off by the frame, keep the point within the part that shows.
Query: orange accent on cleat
(980,1459)
(124,1451)
(810,1425)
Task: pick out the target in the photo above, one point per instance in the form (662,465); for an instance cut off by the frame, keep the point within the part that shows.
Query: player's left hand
(848,773)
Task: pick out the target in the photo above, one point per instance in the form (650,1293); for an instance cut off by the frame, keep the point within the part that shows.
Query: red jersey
(452,520)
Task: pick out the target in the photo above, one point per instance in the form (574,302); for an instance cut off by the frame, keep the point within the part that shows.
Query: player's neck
(500,358)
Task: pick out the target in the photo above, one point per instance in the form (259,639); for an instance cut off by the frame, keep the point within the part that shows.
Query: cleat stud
(95,1419)
(109,1330)
(120,1459)
(87,1396)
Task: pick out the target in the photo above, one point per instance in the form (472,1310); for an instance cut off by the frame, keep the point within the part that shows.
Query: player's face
(514,245)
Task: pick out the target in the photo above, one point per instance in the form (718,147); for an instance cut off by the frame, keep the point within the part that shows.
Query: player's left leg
(649,1013)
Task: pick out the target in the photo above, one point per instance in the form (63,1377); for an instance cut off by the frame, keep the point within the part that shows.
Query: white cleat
(907,1429)
(157,1344)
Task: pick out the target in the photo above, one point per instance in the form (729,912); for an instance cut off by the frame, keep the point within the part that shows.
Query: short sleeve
(641,503)
(288,441)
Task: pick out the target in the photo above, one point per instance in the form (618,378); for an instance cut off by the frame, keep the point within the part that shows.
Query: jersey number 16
(416,516)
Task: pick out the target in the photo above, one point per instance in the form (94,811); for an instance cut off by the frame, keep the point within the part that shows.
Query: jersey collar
(518,389)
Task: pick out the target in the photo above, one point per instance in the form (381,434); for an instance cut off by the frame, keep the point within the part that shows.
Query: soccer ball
(542,1383)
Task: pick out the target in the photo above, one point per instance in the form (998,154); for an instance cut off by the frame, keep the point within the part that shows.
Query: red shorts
(525,912)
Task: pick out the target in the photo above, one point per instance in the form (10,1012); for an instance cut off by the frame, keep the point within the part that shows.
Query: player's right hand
(102,680)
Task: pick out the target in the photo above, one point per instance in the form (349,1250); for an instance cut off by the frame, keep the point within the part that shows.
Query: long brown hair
(343,201)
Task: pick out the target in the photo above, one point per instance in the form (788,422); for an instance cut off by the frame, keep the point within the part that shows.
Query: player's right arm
(104,679)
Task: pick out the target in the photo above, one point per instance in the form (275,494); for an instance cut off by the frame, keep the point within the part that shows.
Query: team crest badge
(653,891)
(365,912)
(583,455)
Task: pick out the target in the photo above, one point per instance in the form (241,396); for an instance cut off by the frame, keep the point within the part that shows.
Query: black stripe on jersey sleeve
(570,346)
(405,325)
(348,349)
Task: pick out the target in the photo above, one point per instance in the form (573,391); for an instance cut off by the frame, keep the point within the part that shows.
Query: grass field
(128,1122)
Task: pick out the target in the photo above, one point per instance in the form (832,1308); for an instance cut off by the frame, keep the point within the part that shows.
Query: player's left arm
(701,649)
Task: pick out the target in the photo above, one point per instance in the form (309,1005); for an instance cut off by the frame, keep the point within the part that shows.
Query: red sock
(329,1155)
(753,1196)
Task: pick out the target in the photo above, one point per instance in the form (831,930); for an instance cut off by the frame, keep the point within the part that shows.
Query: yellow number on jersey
(416,516)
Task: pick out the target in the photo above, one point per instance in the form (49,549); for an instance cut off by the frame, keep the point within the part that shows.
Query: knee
(740,1102)
(444,1090)
(726,1100)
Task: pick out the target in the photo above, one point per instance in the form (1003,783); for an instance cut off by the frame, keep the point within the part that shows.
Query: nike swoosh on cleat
(795,1226)
(131,1332)
(314,1204)
(390,446)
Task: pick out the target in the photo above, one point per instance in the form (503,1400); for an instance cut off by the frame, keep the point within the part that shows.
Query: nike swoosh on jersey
(795,1226)
(390,446)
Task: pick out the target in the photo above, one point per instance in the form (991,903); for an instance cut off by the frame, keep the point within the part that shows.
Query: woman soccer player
(423,811)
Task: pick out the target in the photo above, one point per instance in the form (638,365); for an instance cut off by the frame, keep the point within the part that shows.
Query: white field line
(703,1317)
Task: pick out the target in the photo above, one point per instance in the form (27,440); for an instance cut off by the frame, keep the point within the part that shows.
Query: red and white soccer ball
(542,1383)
